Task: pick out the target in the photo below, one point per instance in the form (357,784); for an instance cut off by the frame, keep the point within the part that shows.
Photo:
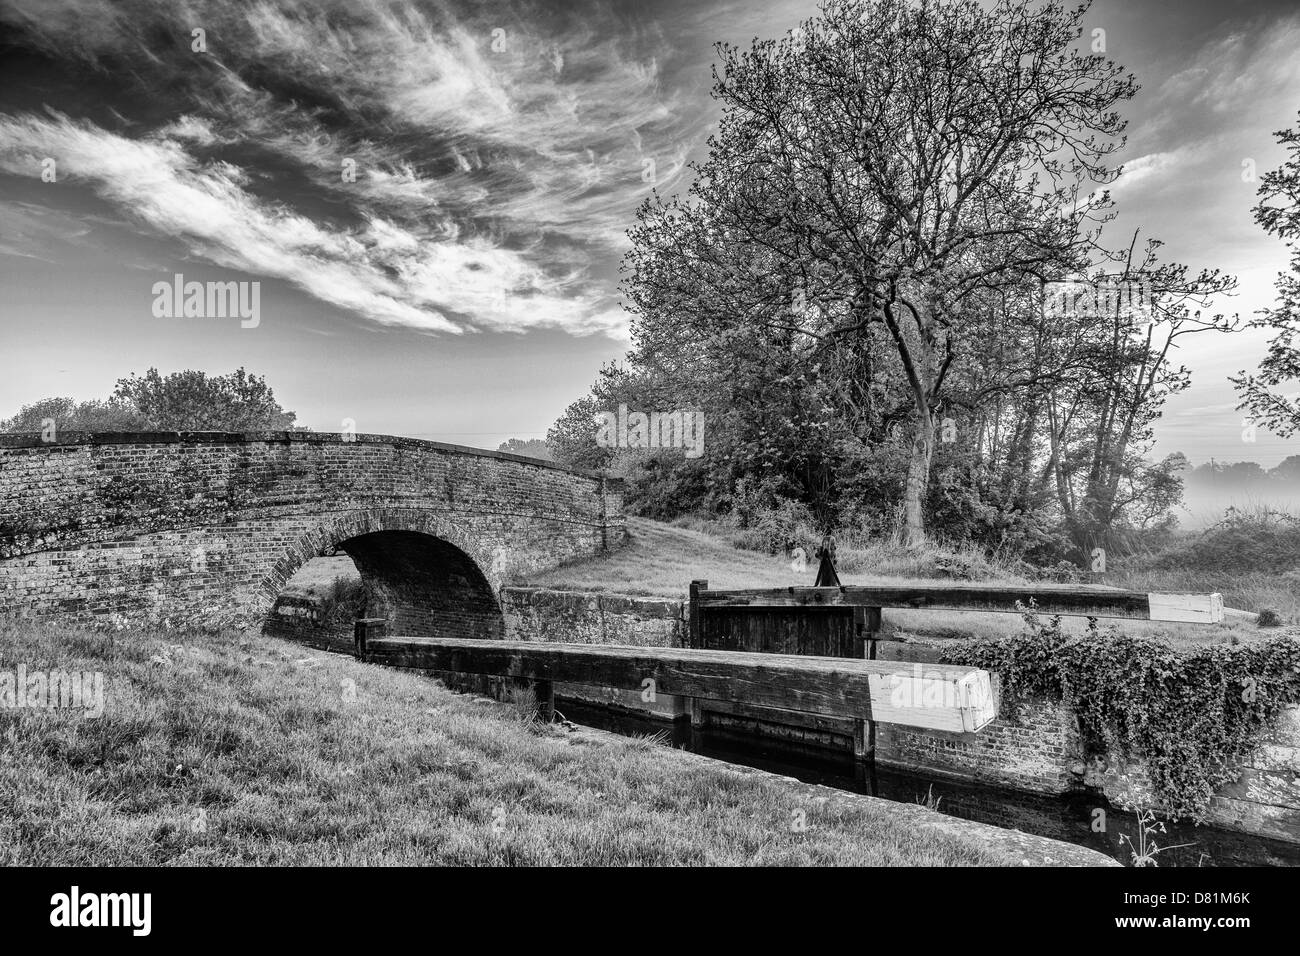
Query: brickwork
(542,614)
(207,528)
(1265,798)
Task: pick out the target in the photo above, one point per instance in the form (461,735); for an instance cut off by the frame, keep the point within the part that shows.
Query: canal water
(1072,818)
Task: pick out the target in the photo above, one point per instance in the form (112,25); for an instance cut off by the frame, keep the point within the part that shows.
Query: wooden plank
(861,629)
(819,632)
(825,632)
(867,622)
(920,699)
(1050,599)
(693,612)
(693,639)
(544,690)
(1191,608)
(363,628)
(936,696)
(813,723)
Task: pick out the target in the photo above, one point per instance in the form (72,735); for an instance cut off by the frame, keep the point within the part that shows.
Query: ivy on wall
(1189,716)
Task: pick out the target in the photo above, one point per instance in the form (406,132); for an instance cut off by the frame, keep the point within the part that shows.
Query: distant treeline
(180,401)
(1245,476)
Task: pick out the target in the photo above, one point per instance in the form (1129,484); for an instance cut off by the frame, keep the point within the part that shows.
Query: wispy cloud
(29,232)
(1238,86)
(1145,168)
(1241,69)
(495,159)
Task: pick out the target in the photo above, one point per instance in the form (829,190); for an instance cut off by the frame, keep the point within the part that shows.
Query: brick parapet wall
(208,527)
(544,614)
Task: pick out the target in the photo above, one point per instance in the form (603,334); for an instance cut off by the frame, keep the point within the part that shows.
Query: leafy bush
(1190,717)
(966,504)
(1064,572)
(870,486)
(660,483)
(768,521)
(343,602)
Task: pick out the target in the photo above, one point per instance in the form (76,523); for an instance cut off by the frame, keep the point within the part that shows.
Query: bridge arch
(422,572)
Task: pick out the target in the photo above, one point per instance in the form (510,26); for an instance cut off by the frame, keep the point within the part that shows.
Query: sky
(433,195)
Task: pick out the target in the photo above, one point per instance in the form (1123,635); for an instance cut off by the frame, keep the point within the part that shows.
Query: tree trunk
(917,354)
(918,479)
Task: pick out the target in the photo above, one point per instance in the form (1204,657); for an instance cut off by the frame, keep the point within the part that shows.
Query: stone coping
(72,439)
(604,600)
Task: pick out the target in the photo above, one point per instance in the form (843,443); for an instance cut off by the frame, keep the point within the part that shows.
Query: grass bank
(226,749)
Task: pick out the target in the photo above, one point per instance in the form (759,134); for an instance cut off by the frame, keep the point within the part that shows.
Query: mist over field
(1210,489)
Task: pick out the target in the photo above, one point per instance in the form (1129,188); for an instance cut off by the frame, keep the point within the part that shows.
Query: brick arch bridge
(208,527)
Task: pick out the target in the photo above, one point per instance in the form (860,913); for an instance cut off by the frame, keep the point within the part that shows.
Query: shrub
(767,521)
(1064,572)
(660,484)
(343,602)
(965,504)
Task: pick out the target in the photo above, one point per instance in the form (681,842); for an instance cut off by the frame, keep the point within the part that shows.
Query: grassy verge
(222,749)
(662,559)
